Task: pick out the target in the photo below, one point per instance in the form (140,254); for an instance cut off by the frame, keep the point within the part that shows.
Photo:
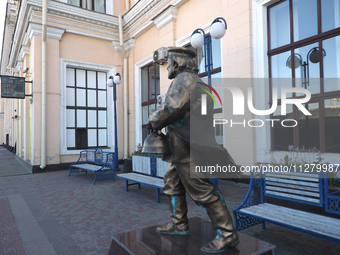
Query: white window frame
(109,70)
(138,97)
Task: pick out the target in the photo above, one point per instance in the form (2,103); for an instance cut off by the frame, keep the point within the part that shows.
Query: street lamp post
(112,82)
(198,40)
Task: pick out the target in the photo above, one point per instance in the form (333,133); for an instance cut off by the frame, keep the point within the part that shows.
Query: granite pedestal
(147,241)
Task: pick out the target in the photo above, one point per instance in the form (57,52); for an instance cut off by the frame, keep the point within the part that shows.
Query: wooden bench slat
(311,222)
(144,179)
(313,200)
(293,186)
(87,167)
(288,176)
(292,175)
(292,191)
(309,184)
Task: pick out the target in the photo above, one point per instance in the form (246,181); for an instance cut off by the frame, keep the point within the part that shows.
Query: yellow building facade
(88,41)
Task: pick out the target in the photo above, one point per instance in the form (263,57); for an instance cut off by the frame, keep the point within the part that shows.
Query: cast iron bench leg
(95,177)
(158,200)
(263,225)
(127,185)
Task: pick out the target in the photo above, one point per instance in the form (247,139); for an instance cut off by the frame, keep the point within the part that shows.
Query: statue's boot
(179,224)
(222,222)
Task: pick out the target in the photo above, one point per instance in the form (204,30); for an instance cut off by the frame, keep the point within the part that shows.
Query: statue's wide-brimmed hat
(181,50)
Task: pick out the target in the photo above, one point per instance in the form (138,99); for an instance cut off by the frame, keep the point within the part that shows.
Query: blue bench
(151,174)
(300,187)
(97,161)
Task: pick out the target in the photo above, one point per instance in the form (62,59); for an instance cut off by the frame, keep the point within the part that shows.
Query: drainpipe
(43,85)
(121,44)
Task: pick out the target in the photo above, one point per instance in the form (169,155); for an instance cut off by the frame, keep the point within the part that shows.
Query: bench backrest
(99,157)
(300,187)
(150,165)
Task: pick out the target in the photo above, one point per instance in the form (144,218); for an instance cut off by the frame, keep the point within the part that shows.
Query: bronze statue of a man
(182,103)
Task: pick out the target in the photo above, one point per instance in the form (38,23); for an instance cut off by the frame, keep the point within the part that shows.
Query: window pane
(74,2)
(201,60)
(81,97)
(70,96)
(91,79)
(81,138)
(145,114)
(92,137)
(145,132)
(91,98)
(99,6)
(81,78)
(102,137)
(309,127)
(70,118)
(304,19)
(101,118)
(157,80)
(101,80)
(279,25)
(152,92)
(283,136)
(330,14)
(332,124)
(81,118)
(152,108)
(88,4)
(145,84)
(92,118)
(70,77)
(306,70)
(70,138)
(331,64)
(216,52)
(101,98)
(281,68)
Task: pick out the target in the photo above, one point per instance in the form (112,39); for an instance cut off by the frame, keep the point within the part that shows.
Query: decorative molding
(128,44)
(24,51)
(52,32)
(167,15)
(76,13)
(77,32)
(143,14)
(18,67)
(70,23)
(179,3)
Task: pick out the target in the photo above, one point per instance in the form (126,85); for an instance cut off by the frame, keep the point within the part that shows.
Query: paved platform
(53,213)
(9,164)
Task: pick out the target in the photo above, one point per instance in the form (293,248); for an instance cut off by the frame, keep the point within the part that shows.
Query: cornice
(76,25)
(52,32)
(167,15)
(143,29)
(24,51)
(143,13)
